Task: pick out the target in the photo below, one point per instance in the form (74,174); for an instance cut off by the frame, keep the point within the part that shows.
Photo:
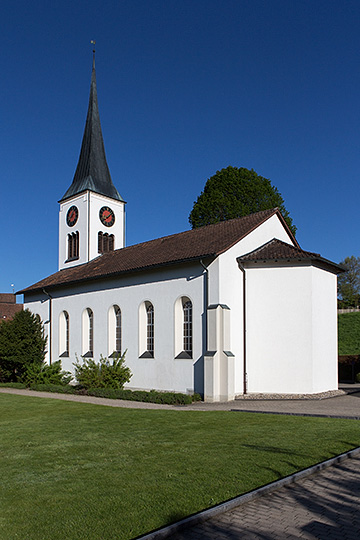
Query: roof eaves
(87,279)
(306,256)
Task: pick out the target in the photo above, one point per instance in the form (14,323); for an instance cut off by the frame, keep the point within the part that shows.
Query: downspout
(88,230)
(206,302)
(50,325)
(244,326)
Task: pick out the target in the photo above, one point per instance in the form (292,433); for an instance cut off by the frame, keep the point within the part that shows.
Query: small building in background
(8,306)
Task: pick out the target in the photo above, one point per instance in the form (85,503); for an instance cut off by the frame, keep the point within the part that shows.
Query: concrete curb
(200,517)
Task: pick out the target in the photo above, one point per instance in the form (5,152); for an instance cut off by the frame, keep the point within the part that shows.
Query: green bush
(103,374)
(46,374)
(169,398)
(357,377)
(58,388)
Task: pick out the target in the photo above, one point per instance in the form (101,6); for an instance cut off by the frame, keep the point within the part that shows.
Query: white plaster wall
(96,203)
(279,329)
(162,289)
(81,202)
(89,225)
(324,320)
(227,285)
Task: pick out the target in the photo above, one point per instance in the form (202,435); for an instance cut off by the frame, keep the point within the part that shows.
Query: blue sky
(185,88)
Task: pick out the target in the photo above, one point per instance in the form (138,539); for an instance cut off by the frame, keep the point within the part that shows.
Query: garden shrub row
(166,398)
(58,388)
(13,385)
(169,398)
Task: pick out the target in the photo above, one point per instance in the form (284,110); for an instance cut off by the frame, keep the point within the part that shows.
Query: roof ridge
(271,211)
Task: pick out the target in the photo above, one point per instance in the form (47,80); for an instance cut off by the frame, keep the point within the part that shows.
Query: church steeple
(92,171)
(92,212)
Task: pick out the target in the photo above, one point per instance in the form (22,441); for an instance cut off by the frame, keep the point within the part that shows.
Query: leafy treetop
(349,282)
(236,192)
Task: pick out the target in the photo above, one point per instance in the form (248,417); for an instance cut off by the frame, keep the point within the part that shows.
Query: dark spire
(92,171)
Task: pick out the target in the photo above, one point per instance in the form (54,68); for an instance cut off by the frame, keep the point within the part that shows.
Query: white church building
(232,308)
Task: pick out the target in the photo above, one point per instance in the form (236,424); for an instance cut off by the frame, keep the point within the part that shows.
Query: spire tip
(93,43)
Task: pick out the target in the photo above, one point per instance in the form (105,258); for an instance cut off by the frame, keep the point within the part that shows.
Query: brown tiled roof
(276,250)
(7,298)
(190,245)
(8,310)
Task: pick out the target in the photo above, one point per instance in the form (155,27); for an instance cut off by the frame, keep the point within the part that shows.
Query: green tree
(234,192)
(349,282)
(22,343)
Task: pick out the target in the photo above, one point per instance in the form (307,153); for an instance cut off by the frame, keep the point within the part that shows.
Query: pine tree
(22,343)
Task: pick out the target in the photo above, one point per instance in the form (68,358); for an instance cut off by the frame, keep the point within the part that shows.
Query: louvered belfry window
(73,245)
(106,242)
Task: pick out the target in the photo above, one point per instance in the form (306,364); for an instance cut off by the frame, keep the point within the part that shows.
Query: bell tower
(92,212)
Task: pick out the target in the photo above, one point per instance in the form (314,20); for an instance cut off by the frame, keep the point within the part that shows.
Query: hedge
(166,398)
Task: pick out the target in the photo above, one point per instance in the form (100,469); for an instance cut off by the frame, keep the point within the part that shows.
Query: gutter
(113,274)
(50,325)
(244,326)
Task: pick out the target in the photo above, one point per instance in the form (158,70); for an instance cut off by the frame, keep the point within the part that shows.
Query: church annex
(231,308)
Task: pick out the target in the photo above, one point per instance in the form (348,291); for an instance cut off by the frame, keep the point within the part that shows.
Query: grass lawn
(76,471)
(349,333)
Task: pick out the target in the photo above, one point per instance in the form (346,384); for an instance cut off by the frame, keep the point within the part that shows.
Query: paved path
(347,406)
(322,506)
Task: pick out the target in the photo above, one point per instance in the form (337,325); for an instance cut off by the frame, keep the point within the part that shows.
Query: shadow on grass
(273,450)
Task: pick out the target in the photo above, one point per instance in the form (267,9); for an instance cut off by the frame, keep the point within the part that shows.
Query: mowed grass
(79,471)
(349,333)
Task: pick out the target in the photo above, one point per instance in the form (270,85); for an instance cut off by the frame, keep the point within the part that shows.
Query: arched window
(106,242)
(114,331)
(88,333)
(183,328)
(64,334)
(150,329)
(73,245)
(146,330)
(187,328)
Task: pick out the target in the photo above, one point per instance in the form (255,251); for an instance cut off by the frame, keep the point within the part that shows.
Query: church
(224,310)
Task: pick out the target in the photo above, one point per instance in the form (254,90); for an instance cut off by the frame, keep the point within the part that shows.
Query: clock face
(107,216)
(72,216)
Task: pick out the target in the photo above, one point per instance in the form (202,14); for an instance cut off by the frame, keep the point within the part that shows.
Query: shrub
(46,374)
(169,398)
(357,377)
(58,388)
(103,374)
